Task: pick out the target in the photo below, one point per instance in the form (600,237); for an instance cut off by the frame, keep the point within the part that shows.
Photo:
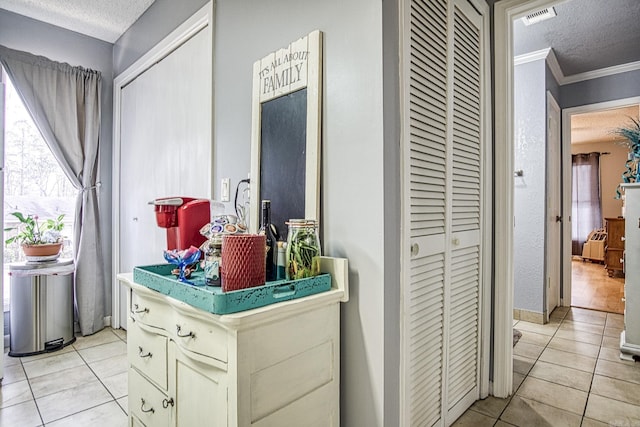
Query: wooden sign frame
(285,72)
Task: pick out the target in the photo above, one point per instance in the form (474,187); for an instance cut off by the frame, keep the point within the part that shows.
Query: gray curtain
(64,102)
(586,212)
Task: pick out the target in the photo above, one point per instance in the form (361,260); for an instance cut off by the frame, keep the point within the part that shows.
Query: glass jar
(213,261)
(303,249)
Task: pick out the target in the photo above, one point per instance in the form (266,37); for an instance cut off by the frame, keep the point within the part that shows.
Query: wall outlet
(224,189)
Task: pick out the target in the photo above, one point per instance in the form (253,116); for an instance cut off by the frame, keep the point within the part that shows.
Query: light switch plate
(224,189)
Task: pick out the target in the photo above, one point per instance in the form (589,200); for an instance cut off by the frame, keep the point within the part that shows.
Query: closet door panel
(464,296)
(165,145)
(443,167)
(427,184)
(425,313)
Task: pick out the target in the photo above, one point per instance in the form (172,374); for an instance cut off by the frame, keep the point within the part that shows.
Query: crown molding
(603,72)
(543,54)
(549,56)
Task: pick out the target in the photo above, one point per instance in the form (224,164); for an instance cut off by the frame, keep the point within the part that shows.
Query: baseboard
(529,316)
(107,321)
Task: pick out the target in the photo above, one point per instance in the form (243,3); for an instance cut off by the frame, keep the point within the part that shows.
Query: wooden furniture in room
(614,249)
(276,365)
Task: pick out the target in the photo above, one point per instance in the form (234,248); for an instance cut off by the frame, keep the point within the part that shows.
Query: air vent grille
(539,16)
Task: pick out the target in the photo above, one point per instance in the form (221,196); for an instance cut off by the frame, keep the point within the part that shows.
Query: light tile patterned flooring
(83,384)
(566,373)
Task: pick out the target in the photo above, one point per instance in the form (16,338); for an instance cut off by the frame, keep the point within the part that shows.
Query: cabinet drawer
(146,402)
(147,352)
(148,311)
(200,337)
(614,258)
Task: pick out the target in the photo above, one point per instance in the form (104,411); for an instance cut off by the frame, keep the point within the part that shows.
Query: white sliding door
(165,145)
(444,137)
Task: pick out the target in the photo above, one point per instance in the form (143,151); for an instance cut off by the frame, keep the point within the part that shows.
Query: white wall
(352,217)
(529,190)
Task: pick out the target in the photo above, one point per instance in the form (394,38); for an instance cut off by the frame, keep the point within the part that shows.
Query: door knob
(415,248)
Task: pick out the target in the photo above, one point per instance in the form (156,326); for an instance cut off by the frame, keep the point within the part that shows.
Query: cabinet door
(444,114)
(199,389)
(615,233)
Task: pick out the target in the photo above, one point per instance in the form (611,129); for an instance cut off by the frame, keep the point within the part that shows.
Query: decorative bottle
(271,242)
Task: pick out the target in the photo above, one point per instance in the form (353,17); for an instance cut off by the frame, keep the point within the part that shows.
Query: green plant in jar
(303,249)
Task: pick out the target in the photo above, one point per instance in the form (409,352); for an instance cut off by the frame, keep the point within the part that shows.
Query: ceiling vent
(539,16)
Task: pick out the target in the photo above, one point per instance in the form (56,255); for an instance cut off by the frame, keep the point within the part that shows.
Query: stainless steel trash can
(41,307)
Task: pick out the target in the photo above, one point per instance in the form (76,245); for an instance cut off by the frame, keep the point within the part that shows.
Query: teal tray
(212,299)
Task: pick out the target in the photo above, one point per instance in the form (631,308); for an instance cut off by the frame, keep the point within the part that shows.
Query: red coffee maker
(183,217)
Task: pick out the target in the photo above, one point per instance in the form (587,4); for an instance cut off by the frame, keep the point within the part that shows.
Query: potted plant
(37,239)
(630,135)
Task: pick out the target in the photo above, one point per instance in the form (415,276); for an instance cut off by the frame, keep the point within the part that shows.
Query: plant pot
(42,250)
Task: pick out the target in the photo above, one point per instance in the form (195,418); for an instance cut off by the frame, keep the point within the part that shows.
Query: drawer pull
(144,355)
(166,403)
(146,410)
(190,334)
(136,310)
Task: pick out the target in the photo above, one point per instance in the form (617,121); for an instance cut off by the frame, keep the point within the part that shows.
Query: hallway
(566,373)
(592,288)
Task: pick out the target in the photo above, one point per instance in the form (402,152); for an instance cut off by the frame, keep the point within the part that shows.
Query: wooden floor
(592,288)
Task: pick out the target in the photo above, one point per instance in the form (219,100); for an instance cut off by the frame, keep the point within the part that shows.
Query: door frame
(567,172)
(505,12)
(2,284)
(199,20)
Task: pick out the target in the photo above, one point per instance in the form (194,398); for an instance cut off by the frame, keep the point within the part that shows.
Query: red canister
(243,261)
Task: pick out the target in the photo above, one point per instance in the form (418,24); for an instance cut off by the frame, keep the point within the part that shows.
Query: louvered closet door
(464,294)
(427,164)
(442,209)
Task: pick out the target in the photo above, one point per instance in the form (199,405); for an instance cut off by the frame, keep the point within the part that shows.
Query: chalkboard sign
(283,157)
(285,139)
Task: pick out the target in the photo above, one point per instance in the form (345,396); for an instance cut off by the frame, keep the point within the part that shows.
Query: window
(34,183)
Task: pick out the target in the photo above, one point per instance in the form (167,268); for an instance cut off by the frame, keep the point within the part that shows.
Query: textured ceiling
(598,126)
(102,19)
(586,35)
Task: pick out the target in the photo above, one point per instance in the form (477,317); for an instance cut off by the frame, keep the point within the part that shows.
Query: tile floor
(84,384)
(566,373)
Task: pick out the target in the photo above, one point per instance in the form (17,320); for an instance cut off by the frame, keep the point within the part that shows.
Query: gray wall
(162,17)
(551,84)
(353,158)
(529,190)
(618,86)
(21,33)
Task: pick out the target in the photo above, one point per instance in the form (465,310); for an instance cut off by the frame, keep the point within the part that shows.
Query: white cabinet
(277,365)
(630,338)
